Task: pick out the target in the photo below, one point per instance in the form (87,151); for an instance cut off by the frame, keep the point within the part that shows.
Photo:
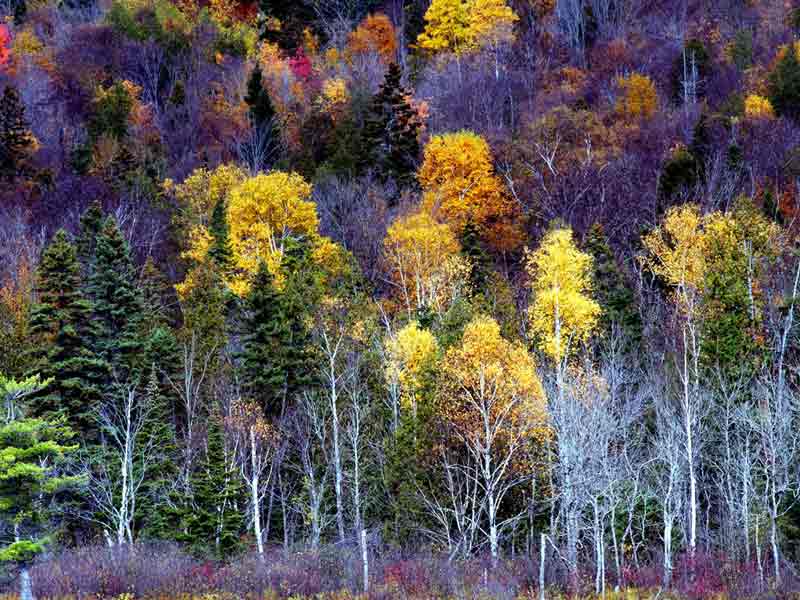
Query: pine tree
(117,302)
(16,140)
(217,517)
(392,129)
(784,85)
(612,292)
(62,325)
(261,110)
(91,224)
(265,335)
(220,252)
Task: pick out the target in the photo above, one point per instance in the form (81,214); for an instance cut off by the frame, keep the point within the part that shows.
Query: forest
(413,299)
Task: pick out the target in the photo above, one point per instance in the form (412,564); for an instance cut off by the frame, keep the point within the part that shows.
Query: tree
(496,403)
(86,244)
(13,392)
(62,325)
(374,34)
(16,141)
(784,84)
(215,518)
(220,251)
(639,97)
(32,451)
(117,303)
(459,186)
(563,313)
(261,110)
(426,266)
(392,130)
(264,345)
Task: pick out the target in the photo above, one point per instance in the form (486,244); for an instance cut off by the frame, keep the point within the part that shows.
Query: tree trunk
(254,496)
(25,587)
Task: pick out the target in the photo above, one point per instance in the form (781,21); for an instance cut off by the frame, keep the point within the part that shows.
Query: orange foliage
(639,97)
(5,42)
(374,34)
(460,186)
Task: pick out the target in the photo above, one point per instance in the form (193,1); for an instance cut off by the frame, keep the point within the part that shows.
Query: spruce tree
(216,520)
(91,224)
(16,140)
(391,133)
(220,252)
(784,85)
(63,326)
(117,302)
(265,334)
(261,110)
(612,292)
(156,295)
(472,249)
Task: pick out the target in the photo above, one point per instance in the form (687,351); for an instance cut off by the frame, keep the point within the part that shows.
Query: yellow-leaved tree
(424,259)
(639,98)
(460,187)
(460,26)
(260,214)
(563,313)
(493,397)
(412,354)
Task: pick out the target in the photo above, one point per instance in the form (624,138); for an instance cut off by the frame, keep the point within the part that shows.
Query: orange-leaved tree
(460,186)
(492,396)
(374,34)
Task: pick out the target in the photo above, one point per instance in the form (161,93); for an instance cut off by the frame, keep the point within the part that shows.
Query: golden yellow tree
(639,96)
(563,312)
(412,353)
(374,34)
(460,186)
(758,107)
(494,399)
(423,256)
(461,26)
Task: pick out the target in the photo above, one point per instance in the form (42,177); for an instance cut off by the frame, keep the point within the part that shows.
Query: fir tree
(217,519)
(784,85)
(91,224)
(612,292)
(265,335)
(117,302)
(16,141)
(220,252)
(392,129)
(62,325)
(261,110)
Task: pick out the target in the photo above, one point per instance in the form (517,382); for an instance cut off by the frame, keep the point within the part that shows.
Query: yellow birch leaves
(563,312)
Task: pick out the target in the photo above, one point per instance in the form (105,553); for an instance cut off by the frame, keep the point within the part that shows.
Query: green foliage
(31,451)
(111,111)
(16,141)
(391,135)
(261,110)
(64,331)
(117,302)
(741,49)
(220,251)
(13,392)
(681,172)
(784,85)
(160,20)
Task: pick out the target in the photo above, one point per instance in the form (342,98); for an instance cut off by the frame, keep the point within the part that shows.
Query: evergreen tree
(261,110)
(700,148)
(62,325)
(612,292)
(16,140)
(264,344)
(472,249)
(155,291)
(391,134)
(29,477)
(784,85)
(217,519)
(220,252)
(117,302)
(91,224)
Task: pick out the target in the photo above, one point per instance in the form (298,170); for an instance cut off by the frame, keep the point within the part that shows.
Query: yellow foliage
(411,352)
(199,193)
(26,43)
(639,96)
(460,186)
(374,34)
(423,255)
(563,311)
(333,96)
(461,26)
(486,365)
(262,212)
(758,107)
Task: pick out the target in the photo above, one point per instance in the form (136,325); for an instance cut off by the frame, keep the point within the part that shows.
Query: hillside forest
(399,299)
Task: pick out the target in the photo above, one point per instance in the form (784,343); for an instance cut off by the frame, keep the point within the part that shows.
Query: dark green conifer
(220,252)
(784,86)
(16,140)
(63,326)
(391,141)
(261,110)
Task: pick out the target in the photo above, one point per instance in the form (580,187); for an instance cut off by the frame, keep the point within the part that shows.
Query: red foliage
(5,45)
(300,65)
